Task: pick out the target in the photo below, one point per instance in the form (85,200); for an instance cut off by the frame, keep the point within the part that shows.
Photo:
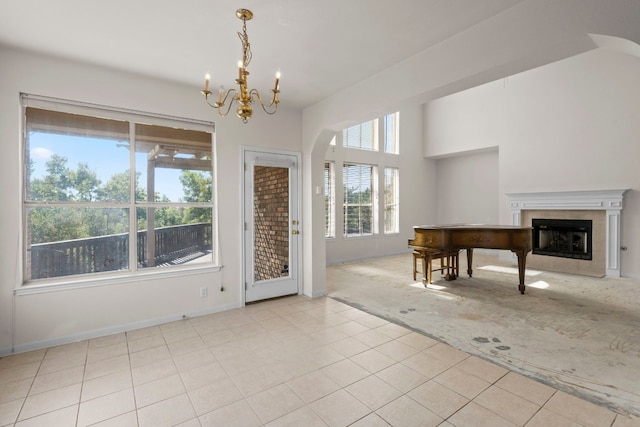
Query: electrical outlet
(204,292)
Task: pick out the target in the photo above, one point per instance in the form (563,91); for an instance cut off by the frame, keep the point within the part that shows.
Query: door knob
(295,232)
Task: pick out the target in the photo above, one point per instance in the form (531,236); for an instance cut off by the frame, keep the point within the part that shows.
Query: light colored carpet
(578,334)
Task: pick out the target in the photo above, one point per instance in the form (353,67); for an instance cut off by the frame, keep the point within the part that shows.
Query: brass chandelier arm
(218,105)
(274,100)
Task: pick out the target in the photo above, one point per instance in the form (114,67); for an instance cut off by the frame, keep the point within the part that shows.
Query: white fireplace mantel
(608,200)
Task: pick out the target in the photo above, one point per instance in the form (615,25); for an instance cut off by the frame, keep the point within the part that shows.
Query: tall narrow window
(391,201)
(329,200)
(359,199)
(391,131)
(363,136)
(106,192)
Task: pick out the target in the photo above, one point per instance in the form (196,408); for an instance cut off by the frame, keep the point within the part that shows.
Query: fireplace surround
(607,203)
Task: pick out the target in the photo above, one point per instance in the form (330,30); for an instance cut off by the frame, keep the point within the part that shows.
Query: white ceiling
(320,46)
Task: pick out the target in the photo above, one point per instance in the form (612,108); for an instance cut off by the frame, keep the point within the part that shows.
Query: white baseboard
(96,333)
(361,258)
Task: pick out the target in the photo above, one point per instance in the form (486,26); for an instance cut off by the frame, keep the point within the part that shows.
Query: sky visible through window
(104,157)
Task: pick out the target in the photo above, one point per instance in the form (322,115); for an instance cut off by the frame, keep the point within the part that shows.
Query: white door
(271,224)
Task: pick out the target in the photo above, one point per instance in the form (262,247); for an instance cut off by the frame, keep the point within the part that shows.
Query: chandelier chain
(246,46)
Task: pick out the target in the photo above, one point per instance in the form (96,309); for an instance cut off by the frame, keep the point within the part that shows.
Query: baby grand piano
(453,238)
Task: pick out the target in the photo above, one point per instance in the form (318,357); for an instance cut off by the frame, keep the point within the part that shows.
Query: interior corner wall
(468,187)
(49,318)
(568,126)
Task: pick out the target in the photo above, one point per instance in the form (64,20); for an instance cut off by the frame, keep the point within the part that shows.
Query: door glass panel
(271,222)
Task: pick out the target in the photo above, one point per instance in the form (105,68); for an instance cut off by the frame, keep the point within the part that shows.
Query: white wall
(570,125)
(467,191)
(30,321)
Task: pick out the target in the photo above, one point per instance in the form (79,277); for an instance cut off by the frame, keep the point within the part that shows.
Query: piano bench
(450,264)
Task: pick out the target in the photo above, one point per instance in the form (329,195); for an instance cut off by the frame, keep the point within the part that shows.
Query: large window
(329,200)
(359,199)
(363,136)
(113,191)
(370,185)
(391,200)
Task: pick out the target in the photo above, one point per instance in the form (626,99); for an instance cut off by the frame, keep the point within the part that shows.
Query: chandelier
(243,95)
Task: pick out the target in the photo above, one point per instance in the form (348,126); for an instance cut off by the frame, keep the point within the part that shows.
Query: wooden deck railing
(110,253)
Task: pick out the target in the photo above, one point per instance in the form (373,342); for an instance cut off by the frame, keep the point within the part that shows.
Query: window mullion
(133,214)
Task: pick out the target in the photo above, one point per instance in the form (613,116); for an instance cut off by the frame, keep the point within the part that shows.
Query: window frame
(330,199)
(394,203)
(373,204)
(371,126)
(391,129)
(133,272)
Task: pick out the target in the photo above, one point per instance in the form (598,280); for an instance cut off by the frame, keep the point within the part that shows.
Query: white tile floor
(286,362)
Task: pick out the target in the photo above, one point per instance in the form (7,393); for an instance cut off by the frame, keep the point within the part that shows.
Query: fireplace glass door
(565,238)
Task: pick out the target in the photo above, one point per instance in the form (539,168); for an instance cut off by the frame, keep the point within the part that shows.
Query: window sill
(90,282)
(362,236)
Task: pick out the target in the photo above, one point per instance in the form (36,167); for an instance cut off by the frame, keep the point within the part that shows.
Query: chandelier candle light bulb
(275,89)
(243,95)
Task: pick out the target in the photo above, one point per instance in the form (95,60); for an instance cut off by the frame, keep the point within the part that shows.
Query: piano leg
(522,257)
(452,265)
(469,261)
(445,260)
(456,262)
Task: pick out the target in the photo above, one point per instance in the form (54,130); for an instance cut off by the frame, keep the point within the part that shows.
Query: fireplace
(566,238)
(602,207)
